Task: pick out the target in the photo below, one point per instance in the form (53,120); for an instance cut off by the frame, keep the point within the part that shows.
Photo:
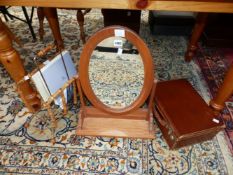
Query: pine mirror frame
(147,60)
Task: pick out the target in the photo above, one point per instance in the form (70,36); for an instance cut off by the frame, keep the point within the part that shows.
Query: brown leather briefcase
(182,115)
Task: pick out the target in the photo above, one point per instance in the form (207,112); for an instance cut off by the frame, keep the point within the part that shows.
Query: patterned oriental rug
(25,146)
(214,63)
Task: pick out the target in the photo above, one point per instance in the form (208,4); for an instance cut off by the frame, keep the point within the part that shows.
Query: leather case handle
(159,116)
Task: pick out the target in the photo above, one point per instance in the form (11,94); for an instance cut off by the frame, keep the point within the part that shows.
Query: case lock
(170,132)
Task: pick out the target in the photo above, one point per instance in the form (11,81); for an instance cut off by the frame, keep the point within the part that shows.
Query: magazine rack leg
(10,58)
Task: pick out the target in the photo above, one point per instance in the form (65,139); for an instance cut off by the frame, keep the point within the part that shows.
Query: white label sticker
(26,77)
(119,32)
(215,120)
(119,51)
(118,43)
(46,62)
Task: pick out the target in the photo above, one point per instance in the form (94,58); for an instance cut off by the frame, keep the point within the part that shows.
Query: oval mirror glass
(116,72)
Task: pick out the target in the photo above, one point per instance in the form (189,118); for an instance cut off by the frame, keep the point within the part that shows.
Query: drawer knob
(141,4)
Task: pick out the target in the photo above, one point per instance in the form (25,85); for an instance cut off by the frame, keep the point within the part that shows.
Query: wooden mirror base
(94,122)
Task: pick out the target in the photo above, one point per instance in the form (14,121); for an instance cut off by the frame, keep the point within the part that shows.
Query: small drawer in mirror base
(122,126)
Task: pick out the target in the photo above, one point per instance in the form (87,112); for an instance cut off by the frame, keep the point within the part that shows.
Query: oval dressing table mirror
(116,76)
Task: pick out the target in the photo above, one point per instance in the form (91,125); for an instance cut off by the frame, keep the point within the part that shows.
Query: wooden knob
(141,4)
(46,50)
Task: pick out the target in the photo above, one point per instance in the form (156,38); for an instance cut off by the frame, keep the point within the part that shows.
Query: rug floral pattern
(25,145)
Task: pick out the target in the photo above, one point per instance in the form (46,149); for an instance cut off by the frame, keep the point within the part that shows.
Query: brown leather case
(183,116)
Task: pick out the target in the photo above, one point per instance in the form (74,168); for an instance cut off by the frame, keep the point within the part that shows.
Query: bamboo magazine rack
(46,101)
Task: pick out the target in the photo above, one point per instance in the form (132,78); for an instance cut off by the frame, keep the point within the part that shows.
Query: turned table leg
(197,31)
(226,89)
(51,15)
(224,92)
(10,59)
